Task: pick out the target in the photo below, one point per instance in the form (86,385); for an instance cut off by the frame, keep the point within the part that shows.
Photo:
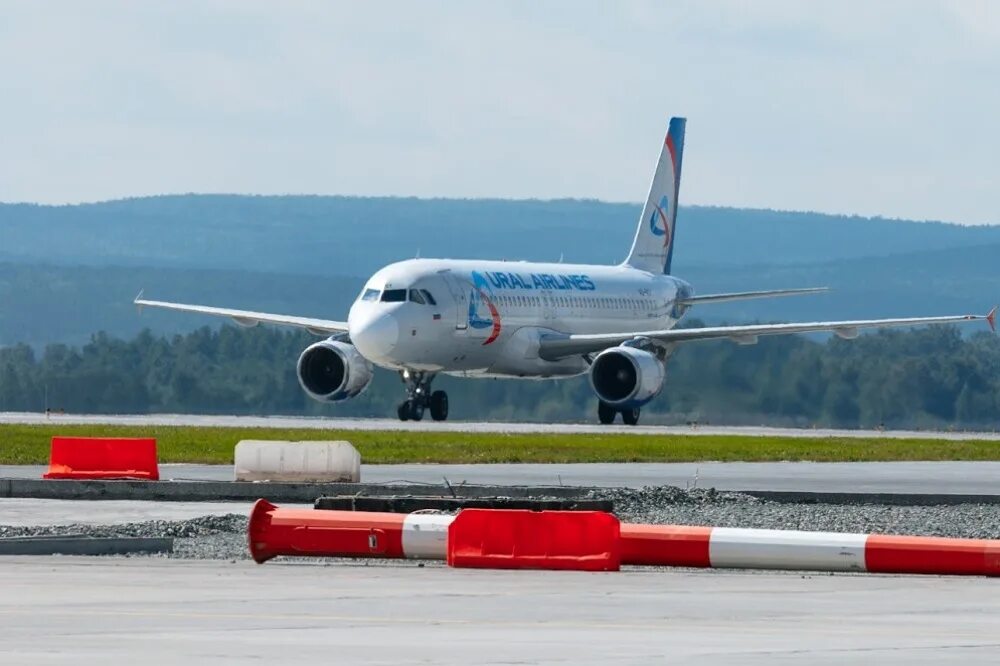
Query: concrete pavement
(79,610)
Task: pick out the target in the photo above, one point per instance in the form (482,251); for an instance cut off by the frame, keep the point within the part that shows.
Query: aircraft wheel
(403,411)
(416,410)
(630,416)
(605,413)
(439,405)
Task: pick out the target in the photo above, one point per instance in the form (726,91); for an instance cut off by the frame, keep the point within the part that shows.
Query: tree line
(923,378)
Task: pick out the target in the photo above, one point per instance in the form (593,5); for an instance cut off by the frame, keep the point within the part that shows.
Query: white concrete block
(272,460)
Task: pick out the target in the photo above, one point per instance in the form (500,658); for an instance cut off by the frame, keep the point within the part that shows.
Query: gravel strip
(668,505)
(224,537)
(207,537)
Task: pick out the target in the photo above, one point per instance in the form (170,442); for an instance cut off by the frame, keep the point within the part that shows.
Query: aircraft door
(461,299)
(548,306)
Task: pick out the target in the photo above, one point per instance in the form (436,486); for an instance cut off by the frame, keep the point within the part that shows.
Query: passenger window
(428,297)
(416,297)
(394,296)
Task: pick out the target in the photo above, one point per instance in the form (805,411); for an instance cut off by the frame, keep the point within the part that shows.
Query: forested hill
(354,236)
(930,378)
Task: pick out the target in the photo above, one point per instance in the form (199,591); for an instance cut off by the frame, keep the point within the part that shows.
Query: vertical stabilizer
(653,247)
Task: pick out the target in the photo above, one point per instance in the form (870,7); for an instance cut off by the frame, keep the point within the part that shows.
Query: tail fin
(653,247)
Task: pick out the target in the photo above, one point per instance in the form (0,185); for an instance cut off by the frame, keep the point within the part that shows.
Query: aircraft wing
(249,318)
(747,295)
(559,346)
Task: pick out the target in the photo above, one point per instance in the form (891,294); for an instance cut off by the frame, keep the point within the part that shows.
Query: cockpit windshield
(394,296)
(419,296)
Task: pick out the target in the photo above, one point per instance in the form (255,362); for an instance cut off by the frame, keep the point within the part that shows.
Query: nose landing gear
(420,398)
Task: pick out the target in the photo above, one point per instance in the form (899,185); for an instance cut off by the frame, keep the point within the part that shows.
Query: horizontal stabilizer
(747,295)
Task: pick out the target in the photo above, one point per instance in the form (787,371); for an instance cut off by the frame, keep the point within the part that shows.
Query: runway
(971,478)
(73,610)
(317,423)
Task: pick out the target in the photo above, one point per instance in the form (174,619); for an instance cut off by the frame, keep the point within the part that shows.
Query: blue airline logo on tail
(659,215)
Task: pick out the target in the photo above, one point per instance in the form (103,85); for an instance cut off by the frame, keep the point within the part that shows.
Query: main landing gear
(606,414)
(419,398)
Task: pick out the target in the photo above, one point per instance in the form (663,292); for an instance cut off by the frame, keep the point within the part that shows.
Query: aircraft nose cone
(376,337)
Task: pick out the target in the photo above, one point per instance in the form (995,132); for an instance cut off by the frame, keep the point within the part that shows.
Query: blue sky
(873,108)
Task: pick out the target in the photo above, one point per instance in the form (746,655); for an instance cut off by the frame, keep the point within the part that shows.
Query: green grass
(29,444)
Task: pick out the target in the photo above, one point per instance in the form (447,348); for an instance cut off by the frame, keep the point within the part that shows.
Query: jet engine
(626,377)
(332,370)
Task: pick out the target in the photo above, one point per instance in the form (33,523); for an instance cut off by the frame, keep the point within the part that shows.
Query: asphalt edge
(307,493)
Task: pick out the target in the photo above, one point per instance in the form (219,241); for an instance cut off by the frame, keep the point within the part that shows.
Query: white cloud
(871,108)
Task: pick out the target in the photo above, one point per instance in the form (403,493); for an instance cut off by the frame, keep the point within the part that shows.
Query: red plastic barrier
(932,555)
(274,531)
(666,545)
(516,539)
(103,458)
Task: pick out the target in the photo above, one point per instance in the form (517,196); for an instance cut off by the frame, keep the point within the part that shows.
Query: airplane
(471,318)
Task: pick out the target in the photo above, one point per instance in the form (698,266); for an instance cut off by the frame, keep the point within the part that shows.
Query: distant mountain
(353,236)
(73,270)
(45,304)
(42,304)
(949,281)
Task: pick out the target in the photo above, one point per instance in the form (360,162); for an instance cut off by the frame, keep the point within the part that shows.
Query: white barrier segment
(273,460)
(425,536)
(779,549)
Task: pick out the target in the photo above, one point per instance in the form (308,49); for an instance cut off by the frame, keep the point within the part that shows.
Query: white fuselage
(487,316)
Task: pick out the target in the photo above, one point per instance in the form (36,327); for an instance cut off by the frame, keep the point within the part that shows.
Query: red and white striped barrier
(308,532)
(727,547)
(303,532)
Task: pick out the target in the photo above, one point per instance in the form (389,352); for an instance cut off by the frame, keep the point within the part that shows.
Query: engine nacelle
(626,377)
(331,371)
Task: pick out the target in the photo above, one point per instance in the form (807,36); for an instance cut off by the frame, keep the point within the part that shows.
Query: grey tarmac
(971,478)
(25,512)
(326,423)
(83,610)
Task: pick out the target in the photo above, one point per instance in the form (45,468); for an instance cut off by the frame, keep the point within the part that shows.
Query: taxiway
(962,478)
(72,610)
(318,423)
